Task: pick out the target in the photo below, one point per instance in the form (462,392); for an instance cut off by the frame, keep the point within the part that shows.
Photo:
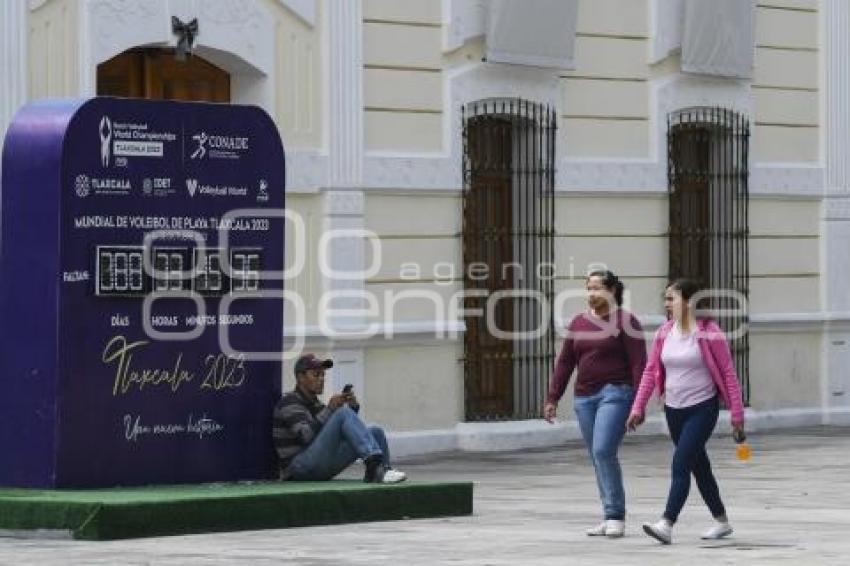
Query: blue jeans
(602,419)
(341,440)
(690,428)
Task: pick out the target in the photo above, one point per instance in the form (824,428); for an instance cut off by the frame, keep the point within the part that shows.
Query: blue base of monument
(121,513)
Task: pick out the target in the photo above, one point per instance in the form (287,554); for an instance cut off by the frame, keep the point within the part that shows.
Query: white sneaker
(662,531)
(393,476)
(615,528)
(610,528)
(717,532)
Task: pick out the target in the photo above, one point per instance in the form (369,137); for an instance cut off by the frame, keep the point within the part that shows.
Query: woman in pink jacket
(691,365)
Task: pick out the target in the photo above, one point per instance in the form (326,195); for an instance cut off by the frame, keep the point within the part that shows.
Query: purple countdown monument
(116,286)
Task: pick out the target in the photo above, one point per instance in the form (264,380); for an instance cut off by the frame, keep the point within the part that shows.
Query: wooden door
(708,152)
(488,239)
(156,74)
(690,203)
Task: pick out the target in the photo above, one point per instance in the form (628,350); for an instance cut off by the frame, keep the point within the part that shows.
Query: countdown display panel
(120,271)
(116,283)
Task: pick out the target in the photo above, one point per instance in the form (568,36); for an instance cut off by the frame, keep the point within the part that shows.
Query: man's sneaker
(662,531)
(390,475)
(378,472)
(599,530)
(718,531)
(614,528)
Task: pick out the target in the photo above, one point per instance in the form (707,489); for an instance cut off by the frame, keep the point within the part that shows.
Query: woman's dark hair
(611,282)
(686,287)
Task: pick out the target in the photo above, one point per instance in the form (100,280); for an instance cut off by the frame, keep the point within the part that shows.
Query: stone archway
(236,36)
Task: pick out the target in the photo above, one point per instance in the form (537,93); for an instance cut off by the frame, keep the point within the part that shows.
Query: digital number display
(245,266)
(121,272)
(171,269)
(209,278)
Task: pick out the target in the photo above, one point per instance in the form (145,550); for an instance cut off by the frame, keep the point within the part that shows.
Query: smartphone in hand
(347,389)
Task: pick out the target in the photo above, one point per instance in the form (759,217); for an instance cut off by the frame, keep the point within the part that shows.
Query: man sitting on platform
(315,441)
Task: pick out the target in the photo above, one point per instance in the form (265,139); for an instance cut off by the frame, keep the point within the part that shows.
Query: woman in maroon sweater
(607,345)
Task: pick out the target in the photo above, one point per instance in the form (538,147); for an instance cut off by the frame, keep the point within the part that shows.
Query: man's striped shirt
(297,420)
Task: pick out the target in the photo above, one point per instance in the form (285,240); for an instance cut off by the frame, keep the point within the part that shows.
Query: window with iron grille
(508,227)
(708,150)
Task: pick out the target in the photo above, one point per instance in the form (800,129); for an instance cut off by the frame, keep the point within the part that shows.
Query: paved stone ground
(789,505)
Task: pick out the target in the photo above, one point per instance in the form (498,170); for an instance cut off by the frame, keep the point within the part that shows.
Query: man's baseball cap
(310,361)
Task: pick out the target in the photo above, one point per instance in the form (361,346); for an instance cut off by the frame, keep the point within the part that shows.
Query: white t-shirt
(688,380)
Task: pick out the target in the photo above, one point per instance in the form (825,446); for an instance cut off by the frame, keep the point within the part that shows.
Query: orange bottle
(742,447)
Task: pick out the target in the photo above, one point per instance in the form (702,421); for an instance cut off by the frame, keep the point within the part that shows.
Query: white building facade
(372,99)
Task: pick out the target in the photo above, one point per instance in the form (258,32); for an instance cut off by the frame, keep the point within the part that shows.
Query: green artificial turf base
(136,512)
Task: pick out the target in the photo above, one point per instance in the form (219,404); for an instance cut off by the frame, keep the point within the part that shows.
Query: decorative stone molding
(680,91)
(344,258)
(344,203)
(785,323)
(836,208)
(118,25)
(836,77)
(345,87)
(13,65)
(443,172)
(467,84)
(243,28)
(835,231)
(429,171)
(236,35)
(786,180)
(306,171)
(304,9)
(482,81)
(602,176)
(426,172)
(109,27)
(344,209)
(610,175)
